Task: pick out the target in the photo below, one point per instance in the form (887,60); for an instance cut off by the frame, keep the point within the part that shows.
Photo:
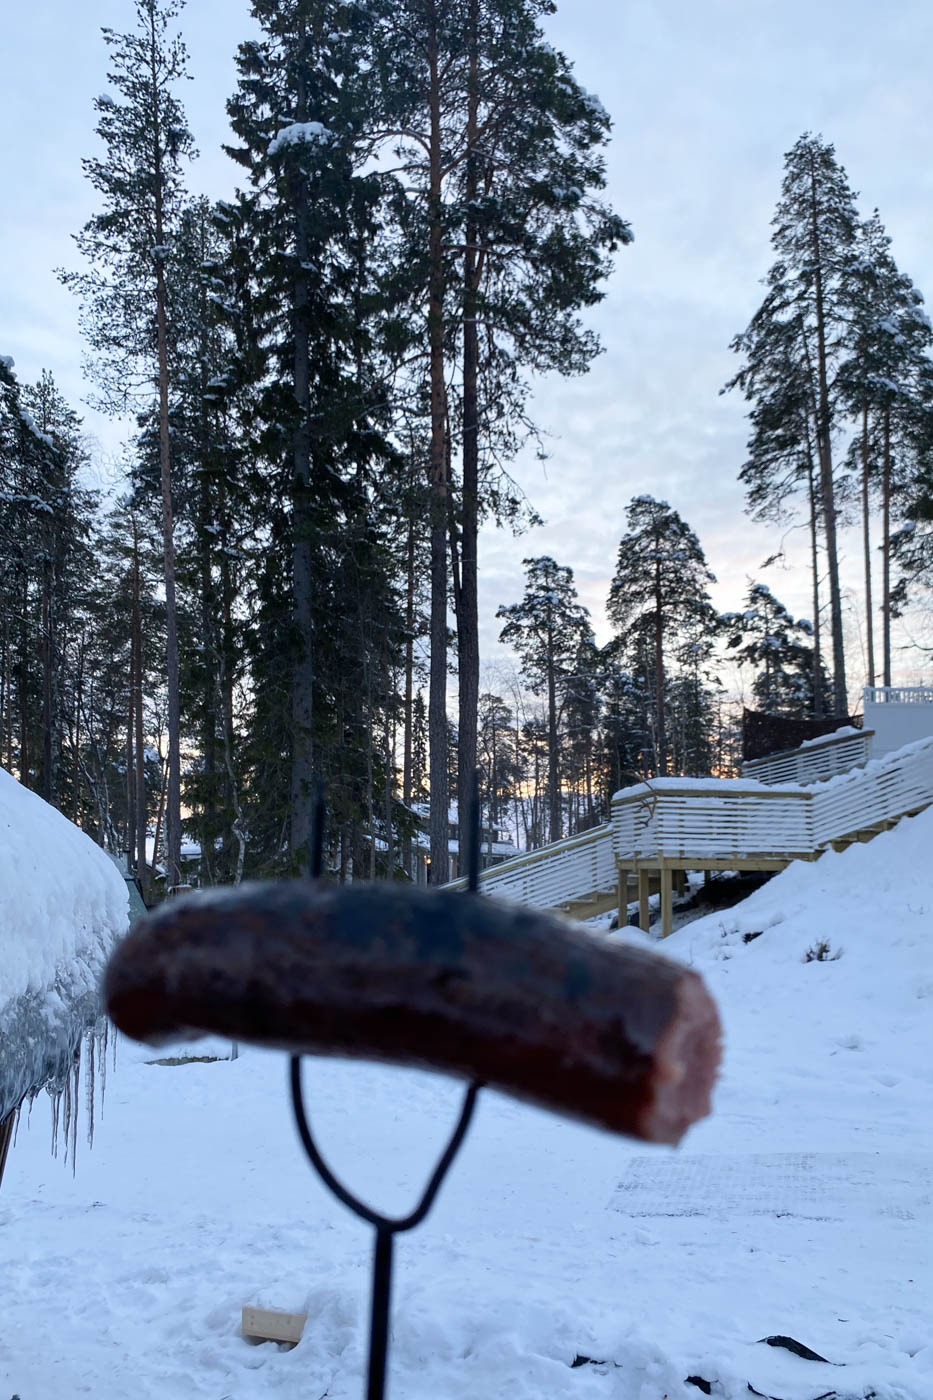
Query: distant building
(496,846)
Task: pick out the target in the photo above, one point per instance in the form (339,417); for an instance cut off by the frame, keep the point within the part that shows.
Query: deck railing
(717,820)
(870,797)
(562,873)
(814,761)
(898,694)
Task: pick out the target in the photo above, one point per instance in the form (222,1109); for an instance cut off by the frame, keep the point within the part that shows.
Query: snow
(312,132)
(800,1209)
(62,905)
(845,731)
(33,427)
(713,787)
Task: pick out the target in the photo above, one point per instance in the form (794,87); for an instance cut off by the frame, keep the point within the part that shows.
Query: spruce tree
(659,603)
(305,234)
(547,629)
(499,764)
(624,738)
(779,647)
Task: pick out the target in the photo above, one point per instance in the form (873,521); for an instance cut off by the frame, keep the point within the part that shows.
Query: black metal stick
(379,1315)
(387,1227)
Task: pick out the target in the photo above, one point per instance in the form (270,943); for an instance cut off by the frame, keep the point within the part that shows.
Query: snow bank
(800,1209)
(63,904)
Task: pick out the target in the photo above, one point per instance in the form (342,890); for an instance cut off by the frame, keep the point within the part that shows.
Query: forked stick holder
(386,1227)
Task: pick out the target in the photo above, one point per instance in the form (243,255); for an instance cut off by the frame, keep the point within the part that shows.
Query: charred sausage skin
(597,1029)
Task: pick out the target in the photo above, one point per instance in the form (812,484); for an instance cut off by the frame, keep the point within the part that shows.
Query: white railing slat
(719,820)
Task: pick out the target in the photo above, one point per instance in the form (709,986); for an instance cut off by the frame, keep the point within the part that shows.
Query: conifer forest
(330,375)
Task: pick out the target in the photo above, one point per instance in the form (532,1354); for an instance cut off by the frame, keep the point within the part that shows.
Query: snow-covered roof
(63,905)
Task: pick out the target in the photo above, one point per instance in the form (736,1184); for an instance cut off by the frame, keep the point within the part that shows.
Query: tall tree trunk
(409,693)
(302,775)
(659,670)
(46,787)
(173,781)
(866,543)
(76,756)
(468,615)
(389,763)
(886,546)
(211,719)
(130,840)
(24,748)
(437,698)
(173,784)
(226,666)
(553,755)
(142,868)
(827,486)
(161,812)
(815,571)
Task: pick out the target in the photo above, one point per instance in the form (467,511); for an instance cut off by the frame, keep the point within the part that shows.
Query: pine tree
(782,456)
(803,319)
(535,246)
(547,629)
(659,604)
(504,241)
(125,295)
(886,382)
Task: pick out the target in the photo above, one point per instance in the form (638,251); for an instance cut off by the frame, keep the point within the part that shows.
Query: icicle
(90,1051)
(56,1096)
(66,1115)
(102,1044)
(75,1101)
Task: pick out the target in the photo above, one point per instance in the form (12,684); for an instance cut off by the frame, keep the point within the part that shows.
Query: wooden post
(623,888)
(644,912)
(667,902)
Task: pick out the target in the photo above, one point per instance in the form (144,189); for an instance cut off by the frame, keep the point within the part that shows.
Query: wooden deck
(662,829)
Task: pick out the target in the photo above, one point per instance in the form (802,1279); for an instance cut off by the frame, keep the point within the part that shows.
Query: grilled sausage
(600,1030)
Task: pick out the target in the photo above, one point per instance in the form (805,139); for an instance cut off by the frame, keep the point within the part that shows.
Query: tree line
(836,368)
(329,374)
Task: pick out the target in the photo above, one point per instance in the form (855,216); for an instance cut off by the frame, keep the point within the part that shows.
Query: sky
(705,100)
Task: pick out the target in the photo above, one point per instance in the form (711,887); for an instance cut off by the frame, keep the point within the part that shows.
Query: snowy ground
(802,1208)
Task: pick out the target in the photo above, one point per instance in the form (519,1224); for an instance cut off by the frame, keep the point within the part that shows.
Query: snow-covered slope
(62,905)
(801,1209)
